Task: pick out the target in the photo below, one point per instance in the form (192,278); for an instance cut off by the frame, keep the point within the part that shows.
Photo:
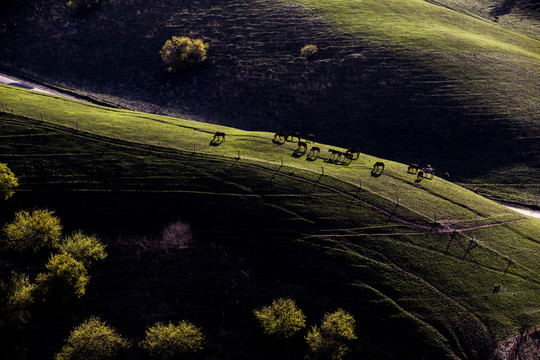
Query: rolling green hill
(407,79)
(262,230)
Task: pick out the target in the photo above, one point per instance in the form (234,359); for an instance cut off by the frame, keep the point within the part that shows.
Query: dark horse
(302,144)
(311,138)
(280,136)
(413,168)
(348,157)
(353,151)
(315,149)
(420,175)
(219,135)
(293,135)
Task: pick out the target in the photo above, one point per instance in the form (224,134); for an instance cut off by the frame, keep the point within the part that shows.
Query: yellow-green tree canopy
(180,53)
(80,6)
(93,340)
(8,182)
(65,279)
(84,248)
(172,341)
(330,340)
(281,319)
(33,231)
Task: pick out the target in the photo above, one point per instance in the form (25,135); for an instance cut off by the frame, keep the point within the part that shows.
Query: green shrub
(281,319)
(8,182)
(66,278)
(84,248)
(16,299)
(309,51)
(33,231)
(92,340)
(80,6)
(330,340)
(180,53)
(172,341)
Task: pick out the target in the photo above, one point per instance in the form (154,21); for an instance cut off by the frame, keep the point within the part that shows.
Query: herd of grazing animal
(337,156)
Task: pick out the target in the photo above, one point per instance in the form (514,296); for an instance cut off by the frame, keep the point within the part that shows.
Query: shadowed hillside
(418,272)
(460,97)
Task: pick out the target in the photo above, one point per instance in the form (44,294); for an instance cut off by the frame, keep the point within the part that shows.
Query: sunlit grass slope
(342,239)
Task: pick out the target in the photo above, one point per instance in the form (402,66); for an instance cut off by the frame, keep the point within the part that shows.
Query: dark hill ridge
(388,100)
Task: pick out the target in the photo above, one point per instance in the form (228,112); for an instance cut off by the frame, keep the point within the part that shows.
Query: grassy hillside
(263,230)
(410,80)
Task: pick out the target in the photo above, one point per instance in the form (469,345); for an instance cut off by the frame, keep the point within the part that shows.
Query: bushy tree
(65,279)
(331,339)
(93,340)
(84,248)
(180,53)
(281,319)
(8,182)
(80,6)
(172,341)
(16,300)
(33,231)
(309,51)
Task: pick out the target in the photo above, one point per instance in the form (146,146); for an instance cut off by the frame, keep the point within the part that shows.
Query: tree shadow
(312,157)
(278,142)
(377,172)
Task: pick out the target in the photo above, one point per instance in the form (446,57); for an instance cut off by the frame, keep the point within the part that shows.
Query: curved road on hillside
(28,85)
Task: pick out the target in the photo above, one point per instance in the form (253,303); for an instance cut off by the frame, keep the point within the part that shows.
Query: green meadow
(416,262)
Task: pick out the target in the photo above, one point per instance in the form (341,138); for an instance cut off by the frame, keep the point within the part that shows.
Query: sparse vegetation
(172,341)
(86,249)
(182,52)
(8,182)
(331,340)
(33,231)
(65,279)
(93,340)
(281,319)
(176,235)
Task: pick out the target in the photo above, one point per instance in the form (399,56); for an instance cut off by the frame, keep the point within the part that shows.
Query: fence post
(194,148)
(282,161)
(322,170)
(76,126)
(154,142)
(238,154)
(360,183)
(4,107)
(397,202)
(508,266)
(41,116)
(113,134)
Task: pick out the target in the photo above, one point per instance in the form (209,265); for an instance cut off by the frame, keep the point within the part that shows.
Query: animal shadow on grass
(378,169)
(298,152)
(216,142)
(376,172)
